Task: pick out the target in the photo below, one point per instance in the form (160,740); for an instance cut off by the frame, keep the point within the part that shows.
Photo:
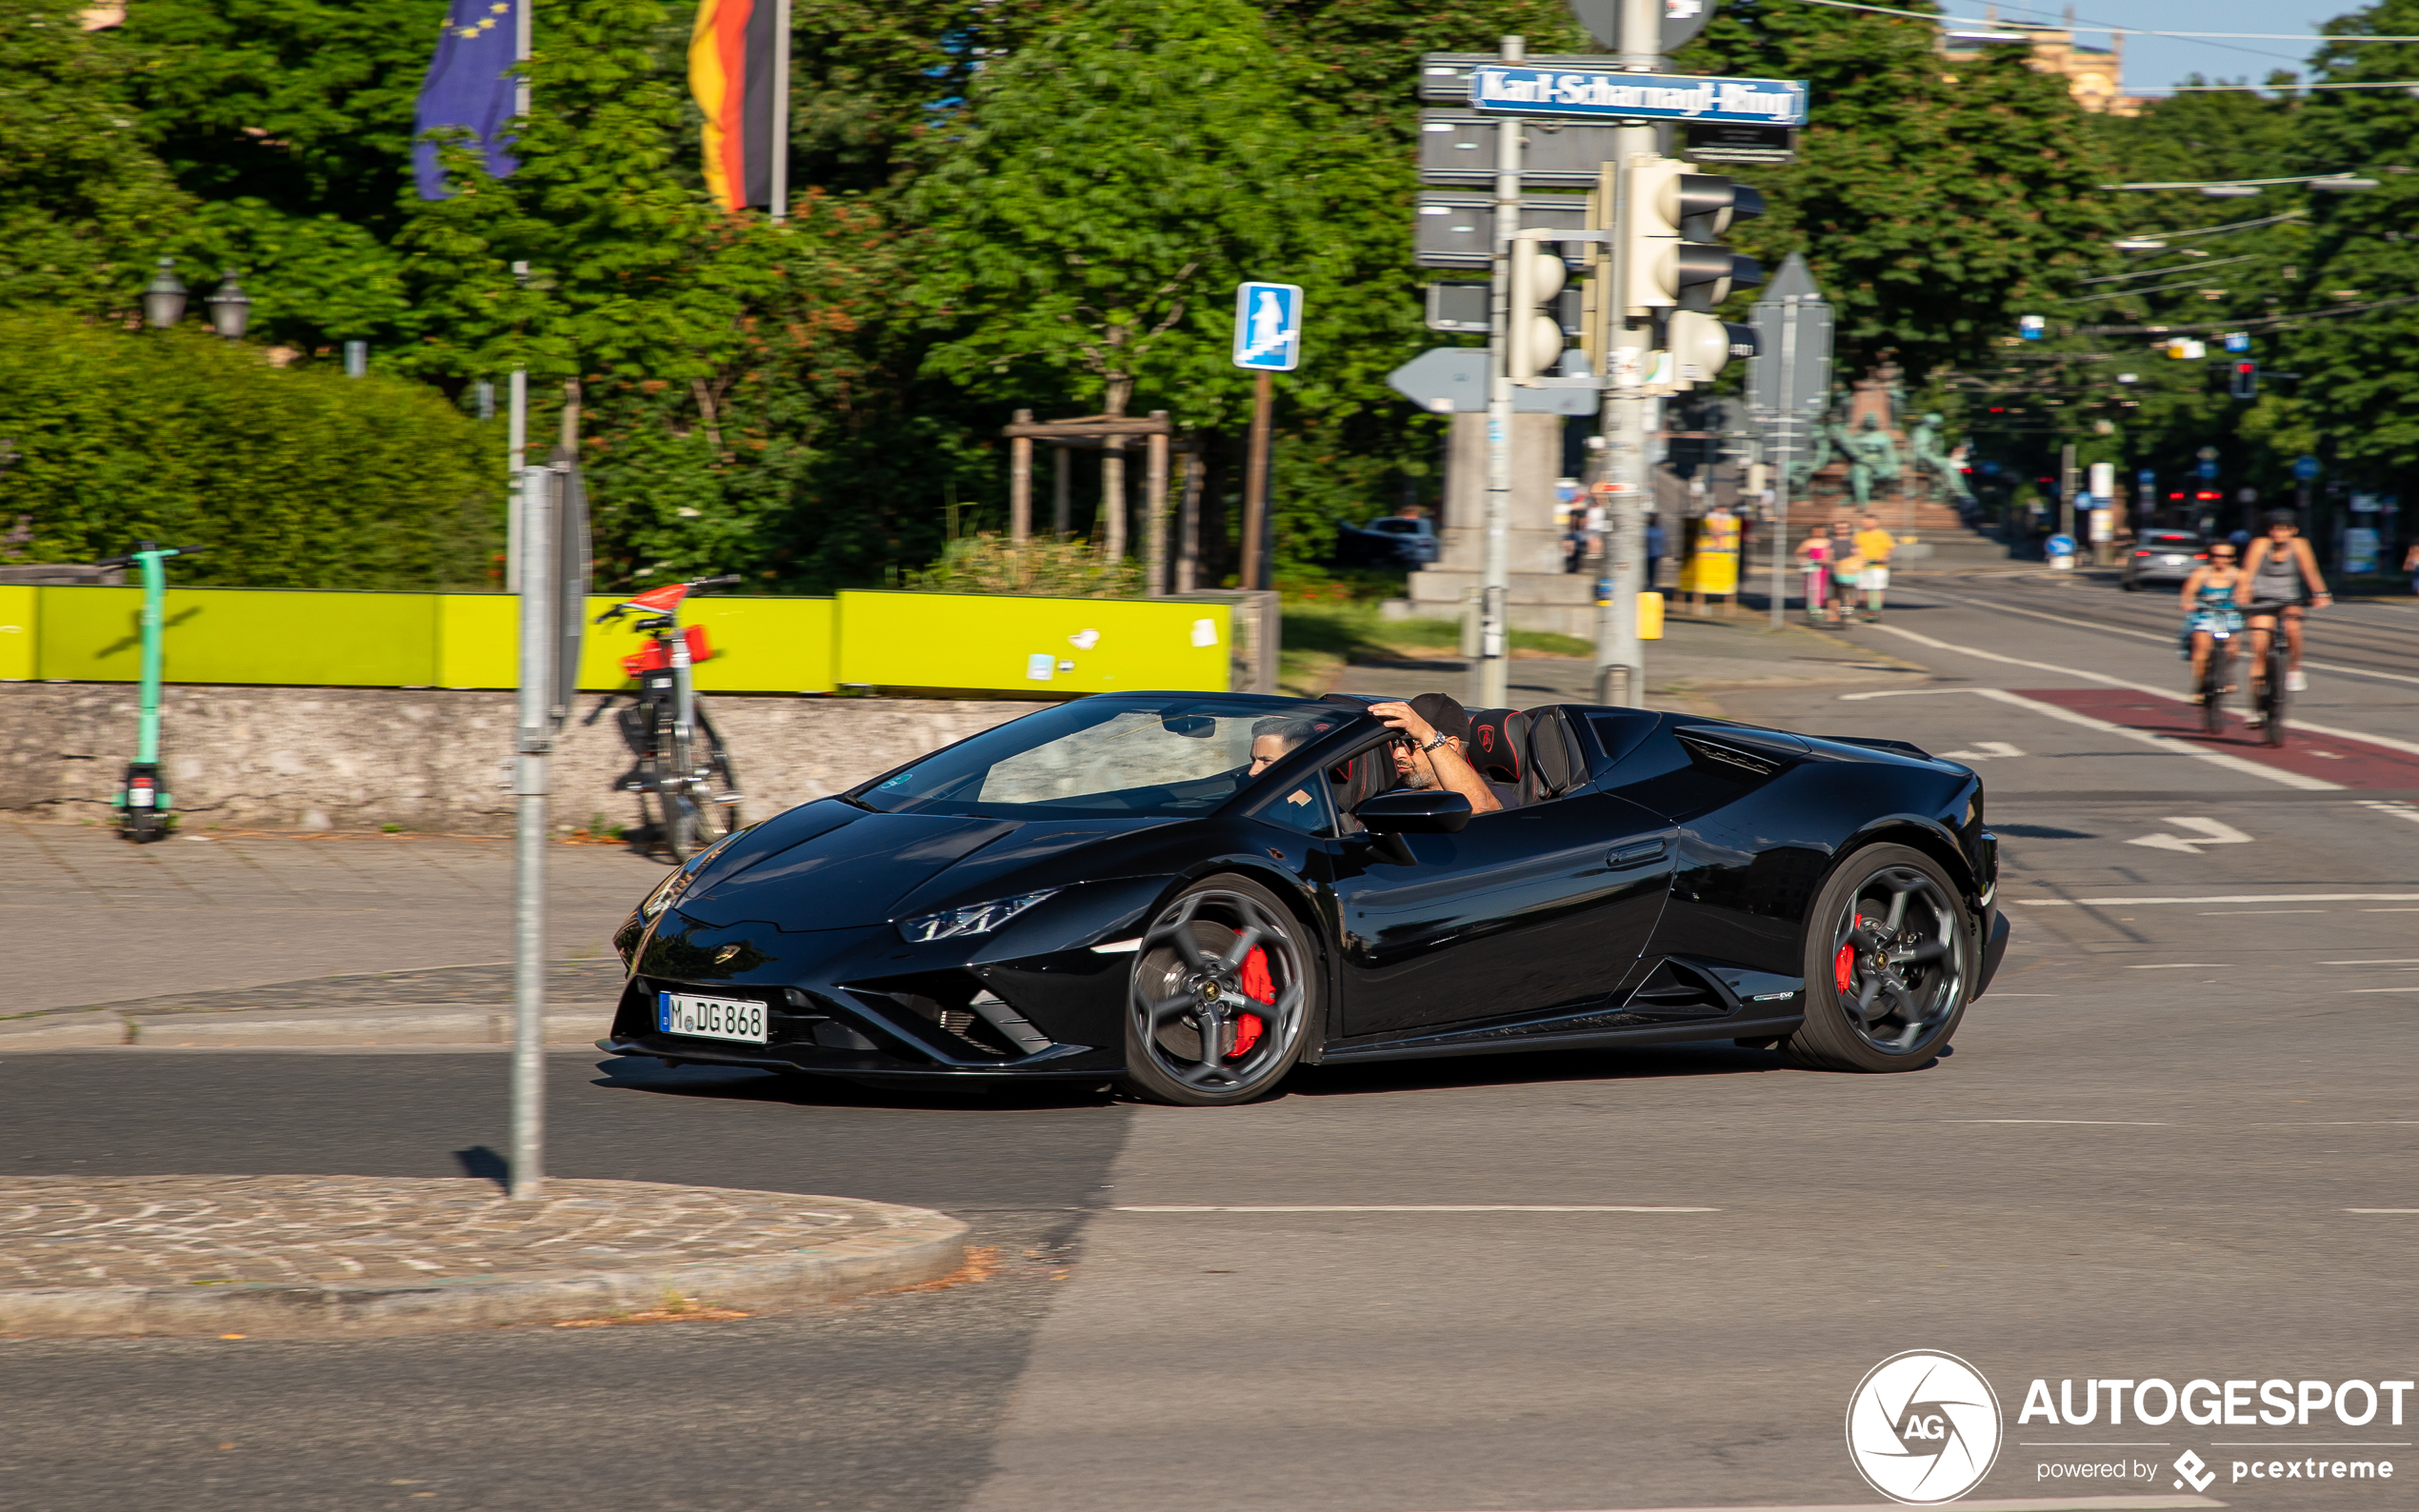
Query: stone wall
(315,758)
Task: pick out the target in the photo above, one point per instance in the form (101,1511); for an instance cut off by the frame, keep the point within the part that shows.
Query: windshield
(1104,758)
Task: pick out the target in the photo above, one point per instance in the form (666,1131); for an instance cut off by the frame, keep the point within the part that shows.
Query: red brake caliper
(1844,967)
(1257,985)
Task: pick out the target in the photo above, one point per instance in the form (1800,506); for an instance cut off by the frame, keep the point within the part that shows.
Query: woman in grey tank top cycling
(2280,581)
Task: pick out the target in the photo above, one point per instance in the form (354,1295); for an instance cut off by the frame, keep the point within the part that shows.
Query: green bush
(295,477)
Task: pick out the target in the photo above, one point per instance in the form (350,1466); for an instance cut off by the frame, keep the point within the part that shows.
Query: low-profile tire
(1890,961)
(1203,1029)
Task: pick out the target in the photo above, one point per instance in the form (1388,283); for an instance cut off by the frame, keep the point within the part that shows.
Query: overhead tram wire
(2128,293)
(2246,322)
(2087,24)
(2172,268)
(2212,231)
(2093,25)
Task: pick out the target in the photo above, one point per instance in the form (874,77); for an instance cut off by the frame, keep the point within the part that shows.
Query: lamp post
(164,296)
(231,308)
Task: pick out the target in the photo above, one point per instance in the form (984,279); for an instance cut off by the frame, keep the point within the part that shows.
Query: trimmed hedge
(295,477)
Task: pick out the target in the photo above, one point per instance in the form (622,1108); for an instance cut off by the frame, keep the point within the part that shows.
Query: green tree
(1935,202)
(84,204)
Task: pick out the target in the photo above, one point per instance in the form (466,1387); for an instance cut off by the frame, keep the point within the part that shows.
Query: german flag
(730,64)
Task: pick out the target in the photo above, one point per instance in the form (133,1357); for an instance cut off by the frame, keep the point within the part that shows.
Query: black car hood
(872,868)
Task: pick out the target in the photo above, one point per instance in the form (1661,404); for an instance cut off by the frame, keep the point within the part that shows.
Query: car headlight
(676,882)
(981,918)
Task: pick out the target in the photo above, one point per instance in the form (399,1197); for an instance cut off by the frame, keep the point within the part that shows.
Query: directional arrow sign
(2210,833)
(1523,89)
(1453,380)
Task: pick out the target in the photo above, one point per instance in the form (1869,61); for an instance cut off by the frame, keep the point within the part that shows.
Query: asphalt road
(2146,1158)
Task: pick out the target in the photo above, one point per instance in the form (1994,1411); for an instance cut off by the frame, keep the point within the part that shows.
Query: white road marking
(2382,1209)
(2399,961)
(1985,750)
(2043,1503)
(2238,913)
(2168,744)
(2178,966)
(2390,911)
(2229,897)
(2393,806)
(1426,1207)
(2409,748)
(2170,640)
(2213,832)
(2355,990)
(2096,1123)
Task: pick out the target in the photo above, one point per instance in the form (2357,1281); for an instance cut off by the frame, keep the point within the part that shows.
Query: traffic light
(2244,383)
(1700,345)
(1534,339)
(1675,258)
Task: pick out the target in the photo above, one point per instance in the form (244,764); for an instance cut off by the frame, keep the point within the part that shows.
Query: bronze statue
(1871,455)
(1938,460)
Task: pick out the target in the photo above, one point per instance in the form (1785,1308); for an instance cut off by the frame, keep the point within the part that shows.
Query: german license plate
(709,1018)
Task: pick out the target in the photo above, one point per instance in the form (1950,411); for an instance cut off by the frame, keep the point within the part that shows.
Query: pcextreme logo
(1923,1427)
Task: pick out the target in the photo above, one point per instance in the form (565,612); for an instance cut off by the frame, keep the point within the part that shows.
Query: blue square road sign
(1267,327)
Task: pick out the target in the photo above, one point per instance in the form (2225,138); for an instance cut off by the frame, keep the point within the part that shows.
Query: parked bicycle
(689,795)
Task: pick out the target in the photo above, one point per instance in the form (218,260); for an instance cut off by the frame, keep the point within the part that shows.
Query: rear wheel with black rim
(1223,995)
(2273,690)
(1889,961)
(2212,689)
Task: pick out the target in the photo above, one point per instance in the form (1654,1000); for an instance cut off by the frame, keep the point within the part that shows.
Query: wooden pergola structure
(1108,434)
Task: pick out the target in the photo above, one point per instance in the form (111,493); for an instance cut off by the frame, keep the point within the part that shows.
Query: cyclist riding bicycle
(2210,614)
(2280,581)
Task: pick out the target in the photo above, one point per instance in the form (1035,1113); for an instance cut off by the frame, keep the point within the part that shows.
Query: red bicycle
(688,796)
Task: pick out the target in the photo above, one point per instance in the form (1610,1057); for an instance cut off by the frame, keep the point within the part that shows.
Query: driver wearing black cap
(1435,731)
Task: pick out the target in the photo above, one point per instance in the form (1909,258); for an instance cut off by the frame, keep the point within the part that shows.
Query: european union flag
(469,85)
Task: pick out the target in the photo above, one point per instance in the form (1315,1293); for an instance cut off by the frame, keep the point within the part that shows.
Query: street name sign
(1267,327)
(1453,380)
(1521,88)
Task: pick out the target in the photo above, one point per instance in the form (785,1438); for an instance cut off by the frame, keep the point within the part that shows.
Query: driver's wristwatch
(1434,741)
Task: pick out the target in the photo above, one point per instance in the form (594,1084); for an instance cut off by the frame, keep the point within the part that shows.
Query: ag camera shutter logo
(1923,1427)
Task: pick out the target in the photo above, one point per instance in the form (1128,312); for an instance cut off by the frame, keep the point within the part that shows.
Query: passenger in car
(1275,738)
(1435,732)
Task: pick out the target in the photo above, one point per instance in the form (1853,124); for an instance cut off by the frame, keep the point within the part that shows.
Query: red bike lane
(2347,763)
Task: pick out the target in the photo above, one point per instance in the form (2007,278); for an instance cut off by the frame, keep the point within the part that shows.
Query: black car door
(1525,909)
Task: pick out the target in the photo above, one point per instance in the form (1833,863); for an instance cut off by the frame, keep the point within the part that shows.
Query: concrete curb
(912,1245)
(278,1028)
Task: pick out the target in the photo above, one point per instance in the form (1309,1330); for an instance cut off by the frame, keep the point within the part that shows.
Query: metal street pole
(1783,446)
(780,144)
(1255,484)
(517,427)
(1490,683)
(1621,673)
(539,632)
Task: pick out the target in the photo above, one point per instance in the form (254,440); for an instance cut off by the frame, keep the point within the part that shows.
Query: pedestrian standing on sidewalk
(1874,544)
(1814,554)
(2410,565)
(1847,572)
(1657,548)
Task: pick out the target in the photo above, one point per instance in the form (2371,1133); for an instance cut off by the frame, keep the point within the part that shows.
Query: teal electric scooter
(143,804)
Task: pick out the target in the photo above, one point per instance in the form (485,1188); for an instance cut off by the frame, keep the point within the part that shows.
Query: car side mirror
(1415,811)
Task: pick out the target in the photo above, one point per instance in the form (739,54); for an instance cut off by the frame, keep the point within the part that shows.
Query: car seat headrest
(1498,738)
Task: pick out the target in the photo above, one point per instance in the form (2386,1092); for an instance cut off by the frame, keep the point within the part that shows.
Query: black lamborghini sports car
(1191,893)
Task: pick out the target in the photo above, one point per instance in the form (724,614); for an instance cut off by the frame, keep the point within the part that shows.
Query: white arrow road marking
(2393,806)
(1985,750)
(2213,832)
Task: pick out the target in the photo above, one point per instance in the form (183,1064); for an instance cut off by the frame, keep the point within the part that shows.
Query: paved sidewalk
(116,922)
(291,1256)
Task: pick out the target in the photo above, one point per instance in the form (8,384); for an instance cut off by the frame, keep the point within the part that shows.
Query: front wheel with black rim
(1223,995)
(1890,962)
